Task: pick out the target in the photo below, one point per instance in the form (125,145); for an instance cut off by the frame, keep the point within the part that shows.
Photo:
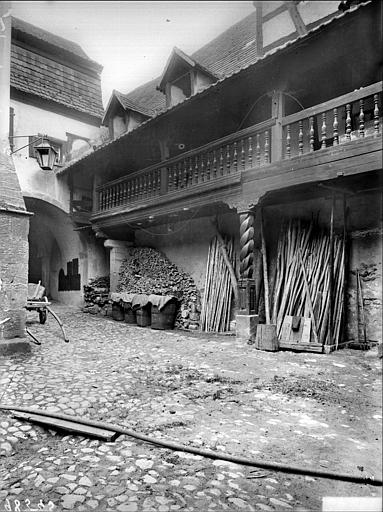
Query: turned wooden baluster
(190,175)
(250,152)
(288,141)
(246,255)
(235,157)
(335,128)
(311,124)
(221,161)
(196,170)
(202,169)
(348,121)
(150,183)
(113,196)
(300,138)
(100,201)
(124,192)
(118,194)
(324,128)
(376,115)
(208,167)
(128,190)
(258,150)
(228,162)
(158,180)
(214,164)
(185,172)
(266,152)
(106,199)
(136,188)
(140,186)
(243,160)
(361,118)
(146,187)
(180,175)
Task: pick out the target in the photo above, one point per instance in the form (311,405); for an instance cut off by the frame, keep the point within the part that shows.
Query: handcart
(37,301)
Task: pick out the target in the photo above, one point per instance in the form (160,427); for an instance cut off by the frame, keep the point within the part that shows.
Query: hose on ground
(272,466)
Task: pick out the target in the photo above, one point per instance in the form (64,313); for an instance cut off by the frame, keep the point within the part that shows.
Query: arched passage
(54,246)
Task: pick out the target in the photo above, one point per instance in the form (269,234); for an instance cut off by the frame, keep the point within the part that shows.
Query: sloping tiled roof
(128,104)
(148,97)
(232,50)
(48,37)
(74,87)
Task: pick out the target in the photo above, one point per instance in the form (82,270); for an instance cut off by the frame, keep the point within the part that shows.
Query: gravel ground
(206,391)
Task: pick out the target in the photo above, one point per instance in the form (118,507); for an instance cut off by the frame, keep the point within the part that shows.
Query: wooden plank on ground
(70,426)
(304,347)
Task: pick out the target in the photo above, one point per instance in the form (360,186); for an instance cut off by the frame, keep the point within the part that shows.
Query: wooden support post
(277,111)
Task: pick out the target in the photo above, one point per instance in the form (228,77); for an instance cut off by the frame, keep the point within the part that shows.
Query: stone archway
(53,245)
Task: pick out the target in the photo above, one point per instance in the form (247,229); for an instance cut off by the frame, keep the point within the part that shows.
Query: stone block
(246,326)
(13,346)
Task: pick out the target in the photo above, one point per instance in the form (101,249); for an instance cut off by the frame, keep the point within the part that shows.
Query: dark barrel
(165,318)
(117,312)
(130,314)
(143,317)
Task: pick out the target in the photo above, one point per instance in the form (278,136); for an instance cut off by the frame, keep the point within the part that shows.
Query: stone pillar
(117,256)
(14,219)
(246,319)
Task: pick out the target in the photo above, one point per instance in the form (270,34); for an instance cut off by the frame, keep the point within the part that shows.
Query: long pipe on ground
(272,466)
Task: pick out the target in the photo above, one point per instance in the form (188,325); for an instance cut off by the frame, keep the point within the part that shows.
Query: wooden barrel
(165,318)
(143,317)
(117,312)
(130,315)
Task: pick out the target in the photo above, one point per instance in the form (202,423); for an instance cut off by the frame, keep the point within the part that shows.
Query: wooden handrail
(333,103)
(263,126)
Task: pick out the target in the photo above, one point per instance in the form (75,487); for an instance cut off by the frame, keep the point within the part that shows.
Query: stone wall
(14,226)
(365,257)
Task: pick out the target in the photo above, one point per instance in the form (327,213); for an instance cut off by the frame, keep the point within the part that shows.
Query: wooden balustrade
(348,117)
(355,115)
(223,157)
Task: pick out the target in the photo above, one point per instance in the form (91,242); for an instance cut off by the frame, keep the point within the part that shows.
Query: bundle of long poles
(218,295)
(302,283)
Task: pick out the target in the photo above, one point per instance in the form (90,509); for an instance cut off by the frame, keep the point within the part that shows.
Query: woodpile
(148,271)
(217,298)
(96,295)
(302,285)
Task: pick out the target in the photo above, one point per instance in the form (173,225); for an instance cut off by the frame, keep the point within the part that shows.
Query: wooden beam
(70,426)
(297,19)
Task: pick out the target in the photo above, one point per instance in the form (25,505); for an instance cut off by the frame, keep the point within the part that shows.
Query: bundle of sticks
(302,285)
(217,298)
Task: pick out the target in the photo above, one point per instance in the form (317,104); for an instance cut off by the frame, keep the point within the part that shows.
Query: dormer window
(183,77)
(122,115)
(181,88)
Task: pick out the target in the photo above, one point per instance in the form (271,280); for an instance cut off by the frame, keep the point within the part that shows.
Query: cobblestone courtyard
(310,410)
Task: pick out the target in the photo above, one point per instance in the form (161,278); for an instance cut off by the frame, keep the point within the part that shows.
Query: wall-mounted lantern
(45,153)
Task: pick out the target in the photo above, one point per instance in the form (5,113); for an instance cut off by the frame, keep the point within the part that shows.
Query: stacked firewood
(217,299)
(96,294)
(148,271)
(302,280)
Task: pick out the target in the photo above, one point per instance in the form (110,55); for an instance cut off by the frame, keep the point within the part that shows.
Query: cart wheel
(43,316)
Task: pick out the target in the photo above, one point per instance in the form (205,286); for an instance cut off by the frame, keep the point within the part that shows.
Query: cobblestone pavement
(309,410)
